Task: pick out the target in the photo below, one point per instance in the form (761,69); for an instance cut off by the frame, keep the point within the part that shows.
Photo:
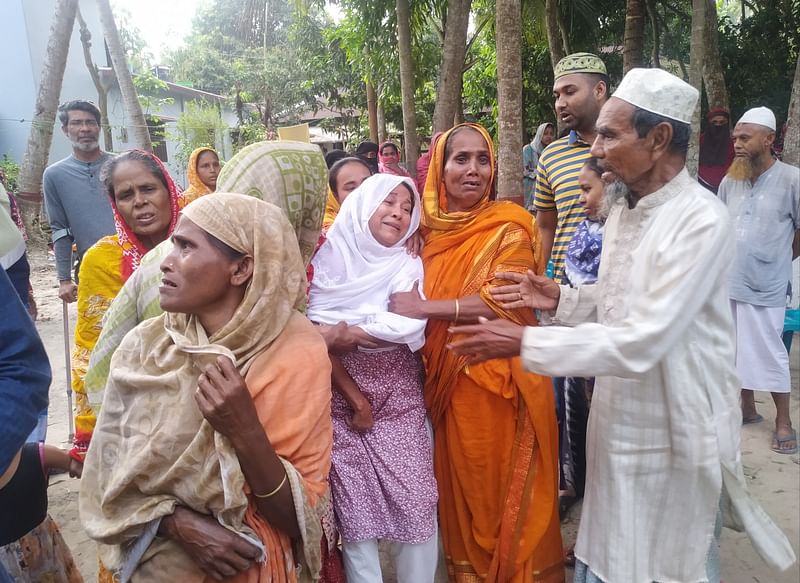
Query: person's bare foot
(749,412)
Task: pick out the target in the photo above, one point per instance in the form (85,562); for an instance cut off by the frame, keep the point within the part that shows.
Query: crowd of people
(299,358)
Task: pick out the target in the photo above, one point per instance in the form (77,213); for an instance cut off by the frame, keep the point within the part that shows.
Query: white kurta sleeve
(682,272)
(576,305)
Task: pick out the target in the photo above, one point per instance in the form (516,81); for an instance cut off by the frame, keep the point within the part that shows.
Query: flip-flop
(752,419)
(783,440)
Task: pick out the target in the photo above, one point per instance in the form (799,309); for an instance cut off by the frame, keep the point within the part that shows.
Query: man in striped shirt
(580,90)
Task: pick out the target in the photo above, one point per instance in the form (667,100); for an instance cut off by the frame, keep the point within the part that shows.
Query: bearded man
(763,197)
(664,468)
(77,206)
(716,149)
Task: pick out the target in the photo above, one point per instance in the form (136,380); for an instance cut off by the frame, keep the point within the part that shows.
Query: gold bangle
(275,491)
(457,310)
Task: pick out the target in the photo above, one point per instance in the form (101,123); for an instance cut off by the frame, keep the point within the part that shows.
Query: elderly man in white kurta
(656,330)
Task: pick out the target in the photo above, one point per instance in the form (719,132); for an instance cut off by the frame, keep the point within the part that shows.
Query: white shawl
(354,275)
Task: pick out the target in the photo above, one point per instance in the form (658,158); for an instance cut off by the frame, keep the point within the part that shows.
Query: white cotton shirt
(664,426)
(765,215)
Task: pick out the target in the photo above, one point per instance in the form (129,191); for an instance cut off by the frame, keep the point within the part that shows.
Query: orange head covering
(197,187)
(434,200)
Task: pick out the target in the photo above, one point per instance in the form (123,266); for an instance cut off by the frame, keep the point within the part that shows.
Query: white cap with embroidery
(659,92)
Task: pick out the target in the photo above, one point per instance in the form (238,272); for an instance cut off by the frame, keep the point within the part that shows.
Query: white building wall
(26,28)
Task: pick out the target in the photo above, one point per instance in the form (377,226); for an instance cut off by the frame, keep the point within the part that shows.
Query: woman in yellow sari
(145,202)
(201,173)
(495,432)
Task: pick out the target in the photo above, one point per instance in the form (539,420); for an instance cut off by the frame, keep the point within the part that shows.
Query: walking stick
(68,363)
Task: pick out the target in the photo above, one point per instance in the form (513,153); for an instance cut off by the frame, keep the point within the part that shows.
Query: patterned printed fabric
(104,269)
(41,556)
(197,187)
(290,175)
(557,190)
(129,482)
(382,480)
(583,254)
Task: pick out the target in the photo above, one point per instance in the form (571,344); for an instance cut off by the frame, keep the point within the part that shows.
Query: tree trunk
(448,94)
(382,133)
(372,112)
(102,94)
(552,19)
(716,90)
(458,118)
(130,101)
(509,99)
(696,60)
(40,137)
(633,43)
(656,32)
(791,142)
(410,139)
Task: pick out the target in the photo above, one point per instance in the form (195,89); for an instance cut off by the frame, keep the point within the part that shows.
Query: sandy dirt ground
(773,478)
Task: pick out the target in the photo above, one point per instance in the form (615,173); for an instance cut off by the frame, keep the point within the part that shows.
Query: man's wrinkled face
(619,147)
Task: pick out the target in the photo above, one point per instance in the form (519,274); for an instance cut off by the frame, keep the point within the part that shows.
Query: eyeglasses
(78,123)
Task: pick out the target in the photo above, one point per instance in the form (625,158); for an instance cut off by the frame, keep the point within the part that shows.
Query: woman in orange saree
(495,437)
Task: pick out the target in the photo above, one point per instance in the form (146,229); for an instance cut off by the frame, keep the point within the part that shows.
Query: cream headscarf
(354,274)
(152,449)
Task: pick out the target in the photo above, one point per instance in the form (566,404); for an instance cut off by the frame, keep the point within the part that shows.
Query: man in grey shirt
(77,206)
(763,197)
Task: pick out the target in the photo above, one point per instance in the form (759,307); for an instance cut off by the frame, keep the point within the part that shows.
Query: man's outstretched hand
(529,290)
(488,339)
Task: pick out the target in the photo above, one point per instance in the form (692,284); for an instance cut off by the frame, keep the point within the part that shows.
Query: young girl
(583,253)
(31,547)
(580,268)
(382,474)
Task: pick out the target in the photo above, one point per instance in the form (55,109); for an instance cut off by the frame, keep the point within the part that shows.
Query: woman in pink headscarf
(424,161)
(389,160)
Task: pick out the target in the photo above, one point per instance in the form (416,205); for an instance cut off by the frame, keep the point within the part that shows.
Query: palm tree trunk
(552,18)
(40,137)
(633,43)
(509,99)
(696,61)
(448,94)
(372,111)
(130,101)
(791,142)
(716,90)
(102,94)
(411,140)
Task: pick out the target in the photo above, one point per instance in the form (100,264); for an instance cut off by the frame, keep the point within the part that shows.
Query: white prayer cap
(762,116)
(659,92)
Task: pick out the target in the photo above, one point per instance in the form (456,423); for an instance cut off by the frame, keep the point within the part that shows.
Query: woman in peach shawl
(495,452)
(211,453)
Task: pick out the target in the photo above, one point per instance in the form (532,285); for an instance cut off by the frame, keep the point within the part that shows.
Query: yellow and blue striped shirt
(557,190)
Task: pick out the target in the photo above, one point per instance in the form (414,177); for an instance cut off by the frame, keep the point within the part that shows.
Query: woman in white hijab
(382,467)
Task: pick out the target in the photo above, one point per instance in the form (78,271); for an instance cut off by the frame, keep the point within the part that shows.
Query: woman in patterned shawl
(211,454)
(146,203)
